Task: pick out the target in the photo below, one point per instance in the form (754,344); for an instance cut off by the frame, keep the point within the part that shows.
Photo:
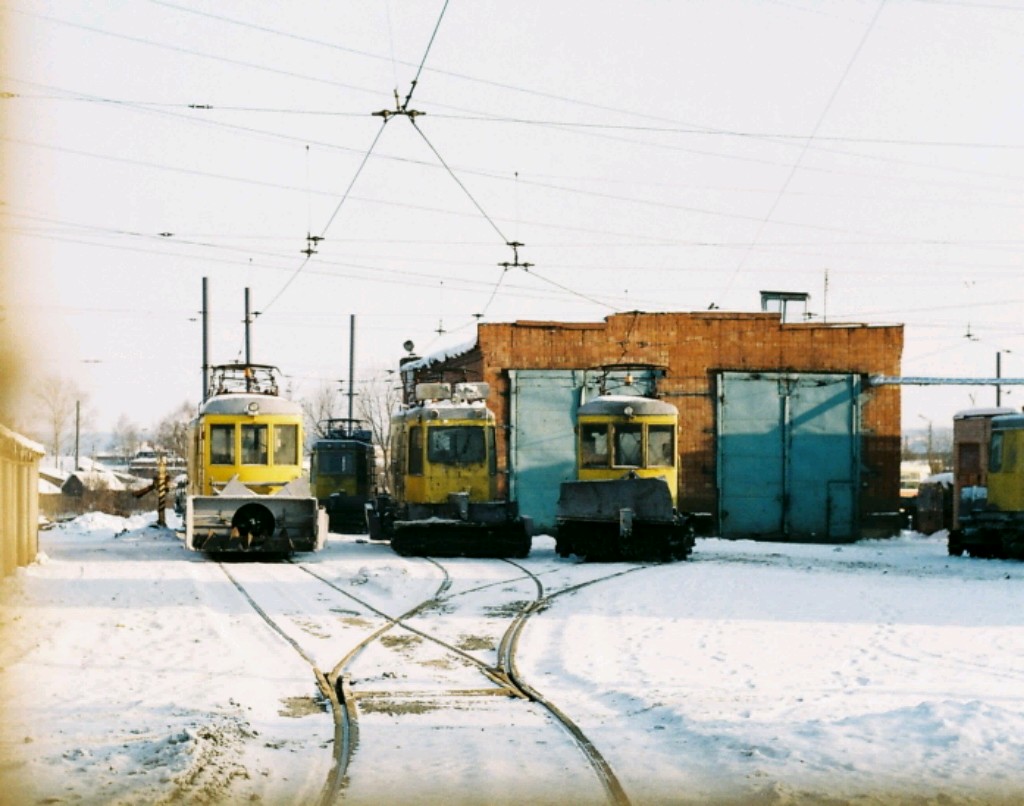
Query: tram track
(343,718)
(502,674)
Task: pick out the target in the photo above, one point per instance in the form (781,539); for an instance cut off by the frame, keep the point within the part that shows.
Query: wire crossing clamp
(515,264)
(401,109)
(311,242)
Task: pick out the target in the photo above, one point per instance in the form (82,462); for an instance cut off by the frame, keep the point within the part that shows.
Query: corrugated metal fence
(19,500)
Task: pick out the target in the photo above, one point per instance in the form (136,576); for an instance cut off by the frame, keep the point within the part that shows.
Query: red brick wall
(694,347)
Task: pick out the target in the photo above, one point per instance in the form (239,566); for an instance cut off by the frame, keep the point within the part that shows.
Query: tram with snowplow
(991,518)
(622,505)
(246,492)
(444,467)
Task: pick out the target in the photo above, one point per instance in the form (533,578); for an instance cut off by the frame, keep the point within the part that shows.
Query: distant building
(83,481)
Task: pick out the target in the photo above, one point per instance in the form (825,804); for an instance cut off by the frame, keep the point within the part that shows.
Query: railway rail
(420,621)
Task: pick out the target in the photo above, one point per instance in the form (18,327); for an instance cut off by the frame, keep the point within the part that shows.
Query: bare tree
(324,404)
(378,398)
(126,438)
(57,399)
(172,430)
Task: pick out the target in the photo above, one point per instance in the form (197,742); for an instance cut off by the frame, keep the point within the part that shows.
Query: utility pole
(999,374)
(351,365)
(248,321)
(206,342)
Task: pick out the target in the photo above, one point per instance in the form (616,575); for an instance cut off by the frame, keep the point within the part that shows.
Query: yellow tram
(444,469)
(246,489)
(994,525)
(623,503)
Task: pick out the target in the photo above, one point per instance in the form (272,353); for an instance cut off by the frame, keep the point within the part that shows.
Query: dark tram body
(342,473)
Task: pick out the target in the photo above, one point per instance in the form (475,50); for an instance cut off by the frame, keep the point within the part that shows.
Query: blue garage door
(788,455)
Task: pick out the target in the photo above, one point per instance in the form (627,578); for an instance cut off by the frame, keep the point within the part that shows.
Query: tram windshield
(254,444)
(594,445)
(222,444)
(286,444)
(456,445)
(660,445)
(629,445)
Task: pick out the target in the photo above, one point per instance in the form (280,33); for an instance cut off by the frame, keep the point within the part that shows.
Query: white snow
(445,353)
(878,672)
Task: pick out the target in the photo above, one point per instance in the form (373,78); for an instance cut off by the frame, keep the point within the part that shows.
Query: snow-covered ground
(878,672)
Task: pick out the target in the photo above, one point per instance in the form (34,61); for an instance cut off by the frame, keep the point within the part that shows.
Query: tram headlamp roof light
(253,408)
(628,411)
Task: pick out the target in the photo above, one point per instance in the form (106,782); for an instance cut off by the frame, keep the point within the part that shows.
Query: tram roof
(1008,421)
(238,403)
(446,410)
(616,404)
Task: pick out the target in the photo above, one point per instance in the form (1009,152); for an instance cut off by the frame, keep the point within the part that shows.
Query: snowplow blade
(648,499)
(239,520)
(453,538)
(621,519)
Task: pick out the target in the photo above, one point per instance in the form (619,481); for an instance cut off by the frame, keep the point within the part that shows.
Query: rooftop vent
(790,305)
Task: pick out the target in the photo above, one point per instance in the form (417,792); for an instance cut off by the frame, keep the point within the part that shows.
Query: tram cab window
(222,444)
(286,444)
(254,444)
(660,445)
(995,453)
(337,463)
(456,445)
(628,445)
(594,445)
(416,450)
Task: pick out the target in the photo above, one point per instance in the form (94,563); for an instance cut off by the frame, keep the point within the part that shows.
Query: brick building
(766,407)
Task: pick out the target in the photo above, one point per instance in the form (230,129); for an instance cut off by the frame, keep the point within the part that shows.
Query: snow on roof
(48,487)
(98,480)
(24,443)
(444,354)
(53,474)
(983,412)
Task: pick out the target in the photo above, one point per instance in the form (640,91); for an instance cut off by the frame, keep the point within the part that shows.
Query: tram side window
(222,444)
(594,445)
(995,453)
(286,444)
(456,445)
(628,441)
(660,445)
(254,444)
(416,450)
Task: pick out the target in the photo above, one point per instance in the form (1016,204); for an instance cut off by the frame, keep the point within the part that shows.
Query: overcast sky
(648,155)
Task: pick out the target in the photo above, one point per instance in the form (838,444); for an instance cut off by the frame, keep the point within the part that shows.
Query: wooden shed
(19,500)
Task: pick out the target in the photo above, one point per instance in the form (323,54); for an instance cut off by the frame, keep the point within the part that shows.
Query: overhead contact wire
(423,61)
(362,164)
(458,181)
(807,144)
(323,231)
